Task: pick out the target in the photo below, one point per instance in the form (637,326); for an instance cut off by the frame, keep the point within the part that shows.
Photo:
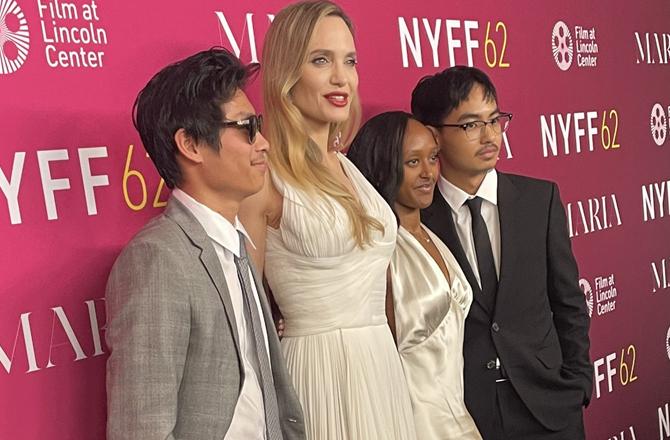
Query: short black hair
(187,94)
(377,152)
(436,96)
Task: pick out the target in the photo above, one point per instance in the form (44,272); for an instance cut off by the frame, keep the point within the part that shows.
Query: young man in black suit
(527,367)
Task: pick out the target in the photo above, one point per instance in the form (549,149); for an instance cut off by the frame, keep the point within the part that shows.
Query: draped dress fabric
(430,317)
(338,347)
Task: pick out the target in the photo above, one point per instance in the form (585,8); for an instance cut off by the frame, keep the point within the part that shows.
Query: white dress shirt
(249,416)
(460,212)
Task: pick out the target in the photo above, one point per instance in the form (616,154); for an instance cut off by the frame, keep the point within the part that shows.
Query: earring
(337,143)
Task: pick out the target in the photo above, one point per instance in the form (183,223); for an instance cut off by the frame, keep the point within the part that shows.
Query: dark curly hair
(187,94)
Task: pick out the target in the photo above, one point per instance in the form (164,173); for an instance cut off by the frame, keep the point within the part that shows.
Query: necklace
(421,236)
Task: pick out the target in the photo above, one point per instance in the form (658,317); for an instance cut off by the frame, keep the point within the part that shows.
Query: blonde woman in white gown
(431,296)
(329,236)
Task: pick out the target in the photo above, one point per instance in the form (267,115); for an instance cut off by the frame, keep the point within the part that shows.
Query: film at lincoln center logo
(667,342)
(14,38)
(588,295)
(561,45)
(659,124)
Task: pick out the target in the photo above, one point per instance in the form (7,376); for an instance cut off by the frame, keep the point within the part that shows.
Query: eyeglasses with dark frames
(253,124)
(474,129)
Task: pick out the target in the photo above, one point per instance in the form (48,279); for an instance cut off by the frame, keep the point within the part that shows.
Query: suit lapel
(509,237)
(195,232)
(439,219)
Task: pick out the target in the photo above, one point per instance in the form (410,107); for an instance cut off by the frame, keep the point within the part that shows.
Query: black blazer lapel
(439,219)
(510,239)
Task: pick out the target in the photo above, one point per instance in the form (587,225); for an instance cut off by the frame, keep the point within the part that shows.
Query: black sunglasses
(253,124)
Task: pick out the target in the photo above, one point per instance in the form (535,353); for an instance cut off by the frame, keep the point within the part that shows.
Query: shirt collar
(456,197)
(217,227)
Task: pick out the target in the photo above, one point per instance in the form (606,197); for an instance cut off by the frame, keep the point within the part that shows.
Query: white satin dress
(338,347)
(430,318)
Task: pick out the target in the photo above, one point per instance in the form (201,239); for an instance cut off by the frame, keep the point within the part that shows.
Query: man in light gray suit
(194,354)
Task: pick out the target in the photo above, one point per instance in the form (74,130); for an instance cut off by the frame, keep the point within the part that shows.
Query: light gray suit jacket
(174,371)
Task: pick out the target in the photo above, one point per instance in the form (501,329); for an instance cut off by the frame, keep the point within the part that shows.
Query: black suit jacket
(539,325)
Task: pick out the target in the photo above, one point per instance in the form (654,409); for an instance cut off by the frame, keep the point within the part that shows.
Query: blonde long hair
(294,156)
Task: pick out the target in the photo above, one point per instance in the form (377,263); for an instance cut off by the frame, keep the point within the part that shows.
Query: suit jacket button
(495,327)
(490,365)
(292,420)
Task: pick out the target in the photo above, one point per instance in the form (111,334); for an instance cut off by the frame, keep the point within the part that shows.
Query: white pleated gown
(338,347)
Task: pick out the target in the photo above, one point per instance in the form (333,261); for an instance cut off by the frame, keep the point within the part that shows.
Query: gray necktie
(267,384)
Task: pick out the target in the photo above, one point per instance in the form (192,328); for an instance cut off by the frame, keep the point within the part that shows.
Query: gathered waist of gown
(313,312)
(293,331)
(317,295)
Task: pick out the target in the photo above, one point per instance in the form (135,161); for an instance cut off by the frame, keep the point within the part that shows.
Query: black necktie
(267,385)
(485,263)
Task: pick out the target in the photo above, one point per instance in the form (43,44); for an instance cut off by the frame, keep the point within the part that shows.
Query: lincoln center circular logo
(14,38)
(561,45)
(588,294)
(659,127)
(667,342)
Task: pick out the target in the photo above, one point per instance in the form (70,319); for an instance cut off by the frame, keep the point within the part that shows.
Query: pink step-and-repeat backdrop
(588,83)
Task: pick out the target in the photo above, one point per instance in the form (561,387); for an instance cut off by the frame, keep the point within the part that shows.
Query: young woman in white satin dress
(326,235)
(431,296)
